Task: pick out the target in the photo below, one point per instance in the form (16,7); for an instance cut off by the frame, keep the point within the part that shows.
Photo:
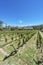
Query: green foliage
(1,23)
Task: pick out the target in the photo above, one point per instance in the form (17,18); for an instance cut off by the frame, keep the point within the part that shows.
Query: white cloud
(30,24)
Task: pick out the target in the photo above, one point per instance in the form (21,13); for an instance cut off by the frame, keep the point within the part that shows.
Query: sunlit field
(21,47)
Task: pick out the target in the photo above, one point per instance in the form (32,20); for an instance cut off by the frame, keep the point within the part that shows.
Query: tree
(1,24)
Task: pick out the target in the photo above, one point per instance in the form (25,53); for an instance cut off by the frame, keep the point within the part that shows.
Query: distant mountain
(37,27)
(28,27)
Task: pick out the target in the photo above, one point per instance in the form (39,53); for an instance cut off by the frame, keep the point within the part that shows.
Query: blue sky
(21,12)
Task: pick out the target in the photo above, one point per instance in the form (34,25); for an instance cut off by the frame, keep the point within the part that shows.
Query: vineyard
(21,47)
